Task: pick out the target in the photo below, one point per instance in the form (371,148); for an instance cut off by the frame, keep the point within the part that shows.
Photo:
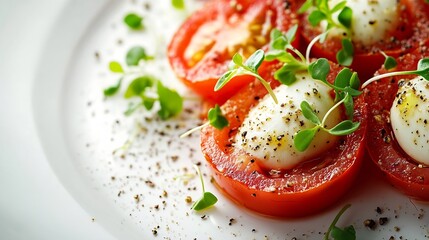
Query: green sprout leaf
(343,128)
(319,69)
(343,78)
(139,85)
(207,200)
(133,21)
(349,106)
(135,54)
(115,67)
(308,113)
(303,138)
(348,233)
(112,90)
(345,16)
(345,55)
(316,17)
(390,63)
(255,60)
(170,101)
(423,68)
(307,5)
(224,79)
(178,4)
(216,118)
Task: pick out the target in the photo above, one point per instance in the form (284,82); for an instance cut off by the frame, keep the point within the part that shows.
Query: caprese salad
(297,120)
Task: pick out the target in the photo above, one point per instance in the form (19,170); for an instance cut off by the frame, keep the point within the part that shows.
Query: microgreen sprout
(389,62)
(178,4)
(207,200)
(321,11)
(216,119)
(422,70)
(347,233)
(146,87)
(249,67)
(135,55)
(133,21)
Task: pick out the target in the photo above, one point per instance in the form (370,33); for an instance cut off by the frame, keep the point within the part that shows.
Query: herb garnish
(422,70)
(389,62)
(207,200)
(135,55)
(146,87)
(322,12)
(133,21)
(249,67)
(346,84)
(347,233)
(216,118)
(178,4)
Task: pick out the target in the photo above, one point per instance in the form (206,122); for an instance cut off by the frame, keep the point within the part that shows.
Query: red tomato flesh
(306,189)
(202,48)
(399,168)
(413,28)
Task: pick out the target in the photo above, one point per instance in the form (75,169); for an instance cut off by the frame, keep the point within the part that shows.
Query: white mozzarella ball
(268,131)
(409,117)
(372,20)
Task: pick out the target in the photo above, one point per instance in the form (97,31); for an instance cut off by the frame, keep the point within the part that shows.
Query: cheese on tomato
(409,117)
(268,131)
(372,19)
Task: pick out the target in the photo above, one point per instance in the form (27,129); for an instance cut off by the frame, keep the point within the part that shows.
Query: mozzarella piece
(372,20)
(267,132)
(409,117)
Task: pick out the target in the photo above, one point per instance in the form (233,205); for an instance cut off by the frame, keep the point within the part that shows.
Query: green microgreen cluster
(346,87)
(249,67)
(207,200)
(147,88)
(178,4)
(134,21)
(346,84)
(321,11)
(347,233)
(422,70)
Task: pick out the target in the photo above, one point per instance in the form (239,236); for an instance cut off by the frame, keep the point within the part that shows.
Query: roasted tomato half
(305,189)
(400,169)
(411,29)
(202,48)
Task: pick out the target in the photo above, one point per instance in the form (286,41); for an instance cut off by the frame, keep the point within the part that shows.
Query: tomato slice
(413,28)
(399,168)
(303,190)
(202,48)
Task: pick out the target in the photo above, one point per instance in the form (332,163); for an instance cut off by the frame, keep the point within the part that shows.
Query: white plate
(80,131)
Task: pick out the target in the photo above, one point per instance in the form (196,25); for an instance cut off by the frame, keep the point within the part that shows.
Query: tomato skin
(308,188)
(412,30)
(202,75)
(399,168)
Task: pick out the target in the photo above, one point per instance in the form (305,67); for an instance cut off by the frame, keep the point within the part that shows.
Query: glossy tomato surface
(413,29)
(399,168)
(202,48)
(308,188)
